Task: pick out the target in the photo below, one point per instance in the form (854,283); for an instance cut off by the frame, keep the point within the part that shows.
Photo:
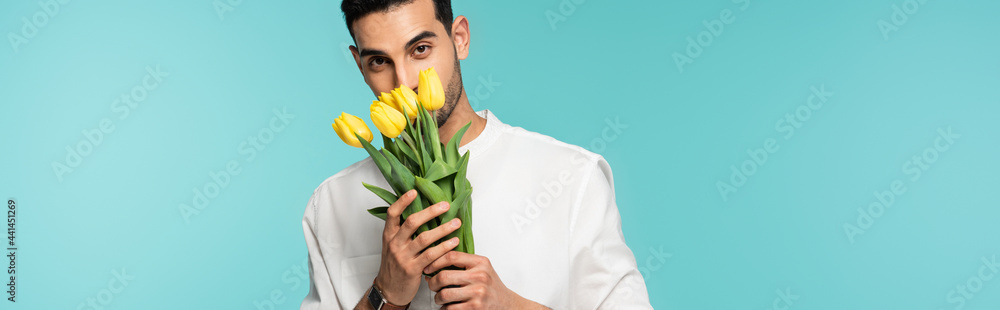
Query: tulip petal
(388,99)
(344,131)
(408,93)
(383,124)
(423,89)
(388,120)
(397,118)
(431,92)
(358,126)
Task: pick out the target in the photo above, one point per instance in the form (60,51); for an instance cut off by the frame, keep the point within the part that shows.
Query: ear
(357,58)
(460,35)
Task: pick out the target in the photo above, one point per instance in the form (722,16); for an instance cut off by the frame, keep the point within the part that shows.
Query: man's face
(392,48)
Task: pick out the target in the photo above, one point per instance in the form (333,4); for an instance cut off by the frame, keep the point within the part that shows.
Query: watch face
(374,298)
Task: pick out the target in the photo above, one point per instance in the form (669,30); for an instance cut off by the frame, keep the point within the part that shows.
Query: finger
(456,294)
(447,278)
(457,259)
(396,209)
(456,306)
(426,238)
(437,251)
(415,220)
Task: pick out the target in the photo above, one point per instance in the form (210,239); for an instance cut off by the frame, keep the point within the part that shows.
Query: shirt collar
(485,138)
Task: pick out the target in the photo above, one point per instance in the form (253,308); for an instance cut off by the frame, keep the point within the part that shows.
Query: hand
(476,287)
(403,257)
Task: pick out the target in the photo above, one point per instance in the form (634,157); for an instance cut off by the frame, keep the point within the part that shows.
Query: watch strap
(378,302)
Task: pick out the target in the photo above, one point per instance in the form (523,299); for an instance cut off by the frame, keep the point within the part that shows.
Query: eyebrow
(373,52)
(421,36)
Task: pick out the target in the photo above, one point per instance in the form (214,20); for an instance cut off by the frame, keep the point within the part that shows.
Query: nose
(407,76)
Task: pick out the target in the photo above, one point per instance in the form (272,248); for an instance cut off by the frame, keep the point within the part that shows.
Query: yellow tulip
(388,121)
(387,98)
(431,94)
(347,125)
(405,101)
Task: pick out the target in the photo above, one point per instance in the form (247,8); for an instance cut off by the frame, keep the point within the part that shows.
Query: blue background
(565,68)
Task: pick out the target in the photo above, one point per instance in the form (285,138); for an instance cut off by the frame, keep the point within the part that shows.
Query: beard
(452,93)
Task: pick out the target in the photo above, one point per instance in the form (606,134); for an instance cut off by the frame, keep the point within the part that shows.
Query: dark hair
(356,9)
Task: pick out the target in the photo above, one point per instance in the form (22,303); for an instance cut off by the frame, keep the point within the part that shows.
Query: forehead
(391,30)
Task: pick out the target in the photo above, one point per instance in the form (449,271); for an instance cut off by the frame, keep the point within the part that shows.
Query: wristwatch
(379,303)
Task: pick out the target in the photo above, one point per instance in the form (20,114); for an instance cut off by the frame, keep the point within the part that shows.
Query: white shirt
(544,214)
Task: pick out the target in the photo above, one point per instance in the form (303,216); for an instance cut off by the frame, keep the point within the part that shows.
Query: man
(547,229)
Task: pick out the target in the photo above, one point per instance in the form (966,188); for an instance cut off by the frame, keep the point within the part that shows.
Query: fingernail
(411,193)
(453,241)
(443,206)
(455,223)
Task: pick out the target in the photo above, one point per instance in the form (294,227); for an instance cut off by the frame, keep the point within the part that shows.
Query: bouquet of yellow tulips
(414,157)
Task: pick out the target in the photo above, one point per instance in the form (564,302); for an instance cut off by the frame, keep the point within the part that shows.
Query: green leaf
(426,157)
(409,140)
(435,139)
(398,149)
(416,206)
(377,157)
(465,214)
(395,180)
(458,206)
(462,201)
(438,170)
(431,190)
(470,243)
(387,144)
(461,181)
(451,150)
(405,150)
(406,136)
(418,142)
(379,212)
(447,185)
(405,177)
(426,127)
(421,145)
(387,196)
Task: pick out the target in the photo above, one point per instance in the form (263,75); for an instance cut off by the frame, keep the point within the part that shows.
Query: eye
(421,50)
(376,62)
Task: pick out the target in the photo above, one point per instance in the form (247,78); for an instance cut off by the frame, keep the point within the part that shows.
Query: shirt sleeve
(321,294)
(603,271)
